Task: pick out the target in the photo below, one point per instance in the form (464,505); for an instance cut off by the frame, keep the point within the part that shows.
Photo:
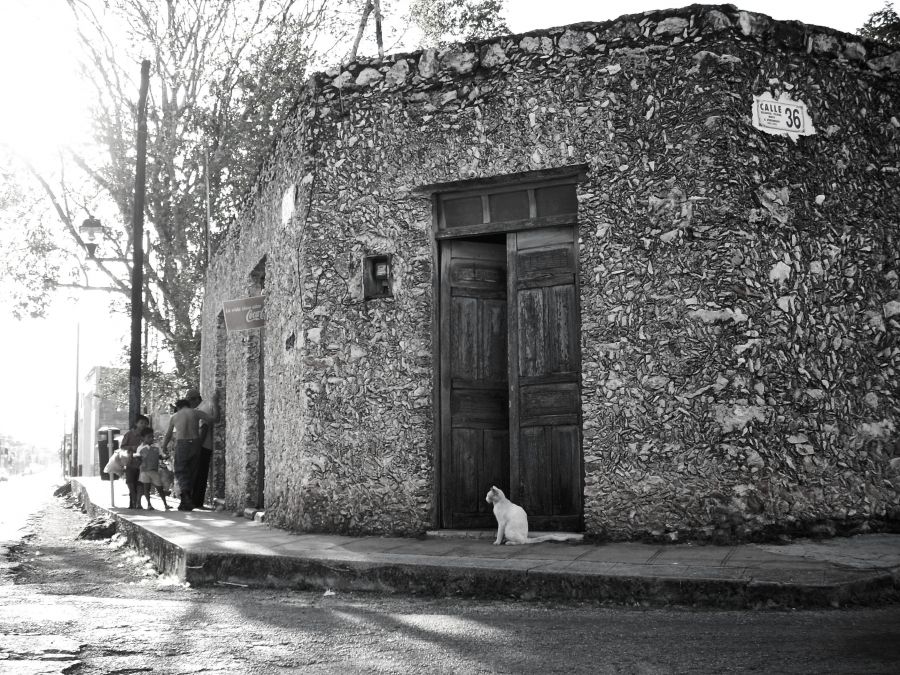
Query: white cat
(512,521)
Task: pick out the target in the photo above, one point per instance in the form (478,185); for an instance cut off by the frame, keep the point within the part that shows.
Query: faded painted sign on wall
(244,313)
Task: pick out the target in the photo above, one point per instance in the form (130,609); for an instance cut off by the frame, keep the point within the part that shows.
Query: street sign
(782,116)
(245,313)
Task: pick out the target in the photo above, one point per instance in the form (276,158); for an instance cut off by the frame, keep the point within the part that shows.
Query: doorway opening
(217,469)
(256,400)
(508,355)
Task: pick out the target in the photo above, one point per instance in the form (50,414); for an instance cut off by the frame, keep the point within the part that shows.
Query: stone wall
(740,303)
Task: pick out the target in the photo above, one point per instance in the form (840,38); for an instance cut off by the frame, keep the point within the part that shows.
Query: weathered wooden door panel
(550,459)
(474,390)
(544,378)
(536,473)
(555,403)
(565,445)
(465,452)
(479,457)
(562,319)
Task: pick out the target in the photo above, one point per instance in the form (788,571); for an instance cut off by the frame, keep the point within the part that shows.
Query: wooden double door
(510,378)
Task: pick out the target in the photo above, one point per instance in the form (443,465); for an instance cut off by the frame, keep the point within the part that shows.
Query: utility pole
(137,268)
(74,468)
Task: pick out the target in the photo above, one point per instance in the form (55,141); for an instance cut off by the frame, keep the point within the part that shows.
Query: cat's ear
(493,488)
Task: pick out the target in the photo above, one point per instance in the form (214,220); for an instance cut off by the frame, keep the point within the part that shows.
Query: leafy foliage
(443,21)
(224,76)
(159,387)
(29,264)
(883,25)
(220,92)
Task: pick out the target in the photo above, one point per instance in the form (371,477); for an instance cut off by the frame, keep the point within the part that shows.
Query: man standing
(184,425)
(201,478)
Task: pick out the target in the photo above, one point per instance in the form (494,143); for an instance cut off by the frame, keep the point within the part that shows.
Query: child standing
(130,442)
(149,476)
(132,477)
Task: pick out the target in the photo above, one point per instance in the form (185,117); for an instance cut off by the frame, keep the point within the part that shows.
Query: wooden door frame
(528,181)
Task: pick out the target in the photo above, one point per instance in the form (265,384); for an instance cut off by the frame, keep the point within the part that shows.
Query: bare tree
(369,7)
(224,77)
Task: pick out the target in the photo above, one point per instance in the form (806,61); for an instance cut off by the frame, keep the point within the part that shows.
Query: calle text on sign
(245,313)
(782,116)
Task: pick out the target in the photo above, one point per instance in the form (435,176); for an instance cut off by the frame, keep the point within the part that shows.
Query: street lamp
(90,227)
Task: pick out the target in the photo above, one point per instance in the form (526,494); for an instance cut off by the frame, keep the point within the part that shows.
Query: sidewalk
(203,547)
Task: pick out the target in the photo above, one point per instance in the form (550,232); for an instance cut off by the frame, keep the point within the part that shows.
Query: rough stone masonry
(740,306)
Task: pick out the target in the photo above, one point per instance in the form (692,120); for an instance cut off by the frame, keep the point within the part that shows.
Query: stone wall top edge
(745,23)
(366,74)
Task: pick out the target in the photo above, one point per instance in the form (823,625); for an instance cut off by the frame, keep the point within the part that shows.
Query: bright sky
(43,107)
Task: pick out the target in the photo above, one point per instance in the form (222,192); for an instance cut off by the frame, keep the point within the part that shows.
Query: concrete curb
(496,578)
(167,557)
(472,579)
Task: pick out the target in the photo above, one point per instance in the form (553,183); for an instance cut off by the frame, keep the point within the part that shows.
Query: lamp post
(75,471)
(91,227)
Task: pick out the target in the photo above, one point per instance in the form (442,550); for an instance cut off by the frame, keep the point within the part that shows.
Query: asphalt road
(76,606)
(20,497)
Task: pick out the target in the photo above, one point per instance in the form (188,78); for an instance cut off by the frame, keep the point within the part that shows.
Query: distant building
(98,409)
(642,275)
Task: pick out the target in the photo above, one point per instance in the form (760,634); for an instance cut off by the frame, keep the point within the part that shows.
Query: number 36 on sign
(782,116)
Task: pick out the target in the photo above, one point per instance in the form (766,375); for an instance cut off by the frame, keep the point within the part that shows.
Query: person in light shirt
(149,475)
(184,427)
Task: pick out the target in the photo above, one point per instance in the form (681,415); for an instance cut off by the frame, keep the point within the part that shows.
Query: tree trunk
(378,38)
(359,33)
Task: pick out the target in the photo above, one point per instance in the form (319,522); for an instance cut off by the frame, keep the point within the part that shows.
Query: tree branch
(66,219)
(108,289)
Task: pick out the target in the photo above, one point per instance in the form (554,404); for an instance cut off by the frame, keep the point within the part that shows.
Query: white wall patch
(287,204)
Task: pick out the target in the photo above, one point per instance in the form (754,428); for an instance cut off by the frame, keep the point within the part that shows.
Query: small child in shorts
(132,477)
(149,476)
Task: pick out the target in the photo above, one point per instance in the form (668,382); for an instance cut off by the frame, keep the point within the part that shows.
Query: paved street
(20,497)
(79,606)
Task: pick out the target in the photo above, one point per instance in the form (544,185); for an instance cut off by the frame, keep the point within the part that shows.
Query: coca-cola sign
(245,313)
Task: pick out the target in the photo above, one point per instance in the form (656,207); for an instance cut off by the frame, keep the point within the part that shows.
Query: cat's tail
(548,537)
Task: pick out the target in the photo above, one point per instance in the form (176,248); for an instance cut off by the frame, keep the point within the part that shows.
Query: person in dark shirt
(204,459)
(129,443)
